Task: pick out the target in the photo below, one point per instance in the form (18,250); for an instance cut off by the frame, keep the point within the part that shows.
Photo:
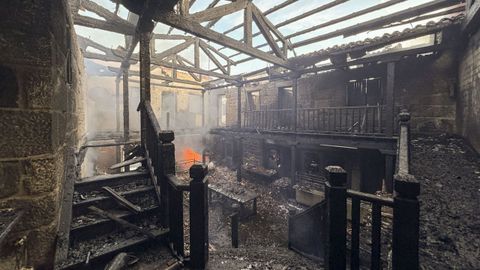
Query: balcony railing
(347,119)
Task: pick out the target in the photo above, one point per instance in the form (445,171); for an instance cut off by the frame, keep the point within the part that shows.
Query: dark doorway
(363,92)
(285,97)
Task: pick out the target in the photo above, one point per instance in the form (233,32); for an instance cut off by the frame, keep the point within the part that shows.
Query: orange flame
(190,157)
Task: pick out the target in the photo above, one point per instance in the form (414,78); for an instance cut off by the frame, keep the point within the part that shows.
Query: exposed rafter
(195,28)
(218,12)
(111,21)
(157,77)
(107,55)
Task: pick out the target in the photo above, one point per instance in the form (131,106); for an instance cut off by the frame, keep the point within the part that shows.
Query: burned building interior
(239,134)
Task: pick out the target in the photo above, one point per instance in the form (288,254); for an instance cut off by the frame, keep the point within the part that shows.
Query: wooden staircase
(102,216)
(94,238)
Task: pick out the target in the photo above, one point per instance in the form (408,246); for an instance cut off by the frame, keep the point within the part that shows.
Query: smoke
(102,119)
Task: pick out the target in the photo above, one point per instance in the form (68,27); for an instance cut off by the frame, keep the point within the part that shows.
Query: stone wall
(469,92)
(425,86)
(41,119)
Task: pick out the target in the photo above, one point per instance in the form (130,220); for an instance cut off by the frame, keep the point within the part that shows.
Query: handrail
(151,116)
(369,197)
(403,149)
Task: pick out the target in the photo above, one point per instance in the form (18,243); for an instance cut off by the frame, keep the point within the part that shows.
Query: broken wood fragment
(122,201)
(122,222)
(127,163)
(118,262)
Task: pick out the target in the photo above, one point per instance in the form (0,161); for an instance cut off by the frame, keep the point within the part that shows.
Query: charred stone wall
(41,119)
(425,86)
(469,92)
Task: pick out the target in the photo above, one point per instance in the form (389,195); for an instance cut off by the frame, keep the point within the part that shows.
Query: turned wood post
(336,222)
(198,216)
(406,214)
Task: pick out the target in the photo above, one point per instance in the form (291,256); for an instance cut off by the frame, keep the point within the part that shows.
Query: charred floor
(200,134)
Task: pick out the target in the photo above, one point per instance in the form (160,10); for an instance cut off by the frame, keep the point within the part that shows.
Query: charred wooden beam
(103,25)
(303,15)
(182,61)
(218,12)
(247,25)
(271,10)
(378,22)
(193,27)
(262,25)
(206,50)
(158,77)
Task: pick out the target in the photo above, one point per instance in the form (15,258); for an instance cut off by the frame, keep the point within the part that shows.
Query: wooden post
(167,166)
(406,214)
(118,154)
(293,167)
(390,99)
(336,222)
(234,228)
(203,109)
(239,105)
(389,172)
(295,77)
(239,158)
(144,74)
(126,113)
(198,216)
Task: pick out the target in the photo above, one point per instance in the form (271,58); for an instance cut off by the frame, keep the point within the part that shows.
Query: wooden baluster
(367,130)
(336,223)
(376,262)
(340,112)
(355,241)
(323,119)
(308,119)
(406,213)
(198,216)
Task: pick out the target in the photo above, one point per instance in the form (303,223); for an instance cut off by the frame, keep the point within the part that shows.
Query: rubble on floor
(448,170)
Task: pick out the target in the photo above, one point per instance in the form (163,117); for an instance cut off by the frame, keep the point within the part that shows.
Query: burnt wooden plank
(122,201)
(96,182)
(122,222)
(127,163)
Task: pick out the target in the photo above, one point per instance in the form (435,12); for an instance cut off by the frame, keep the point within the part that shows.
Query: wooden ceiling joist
(111,21)
(297,18)
(195,28)
(157,77)
(271,10)
(218,12)
(378,22)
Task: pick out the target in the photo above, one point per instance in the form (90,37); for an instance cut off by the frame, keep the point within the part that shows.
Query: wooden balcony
(357,120)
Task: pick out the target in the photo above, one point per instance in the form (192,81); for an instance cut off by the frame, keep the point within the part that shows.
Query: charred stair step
(90,225)
(107,246)
(99,181)
(142,195)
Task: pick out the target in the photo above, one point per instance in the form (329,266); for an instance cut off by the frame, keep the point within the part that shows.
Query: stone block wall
(468,98)
(41,119)
(425,86)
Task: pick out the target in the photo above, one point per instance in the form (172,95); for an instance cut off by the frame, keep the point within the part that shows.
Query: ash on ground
(448,170)
(263,238)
